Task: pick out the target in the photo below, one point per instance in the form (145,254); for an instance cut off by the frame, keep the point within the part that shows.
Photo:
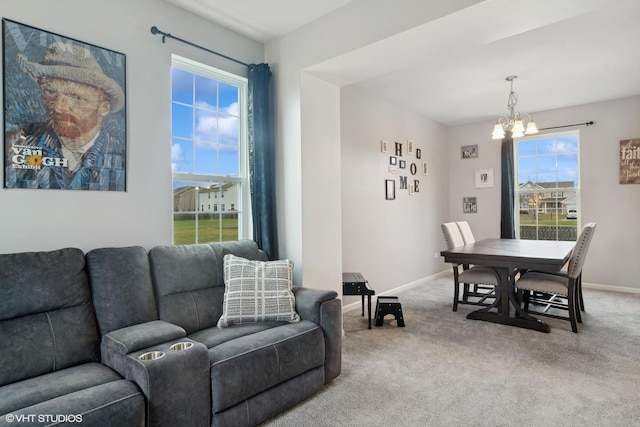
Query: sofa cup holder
(181,346)
(151,355)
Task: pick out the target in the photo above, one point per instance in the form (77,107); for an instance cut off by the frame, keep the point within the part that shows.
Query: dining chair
(468,237)
(566,284)
(477,275)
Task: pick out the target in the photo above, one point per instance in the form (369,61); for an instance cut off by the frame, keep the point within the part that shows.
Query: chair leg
(571,297)
(456,288)
(580,300)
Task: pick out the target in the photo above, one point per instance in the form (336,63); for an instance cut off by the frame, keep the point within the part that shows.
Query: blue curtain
(507,216)
(261,160)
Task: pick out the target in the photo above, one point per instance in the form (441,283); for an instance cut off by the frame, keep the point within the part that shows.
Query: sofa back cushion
(188,280)
(47,321)
(121,287)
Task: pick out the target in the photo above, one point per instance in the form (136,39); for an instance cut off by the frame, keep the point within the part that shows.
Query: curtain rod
(155,30)
(566,126)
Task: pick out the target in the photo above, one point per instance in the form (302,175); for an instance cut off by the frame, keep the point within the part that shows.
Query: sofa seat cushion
(79,390)
(212,338)
(249,364)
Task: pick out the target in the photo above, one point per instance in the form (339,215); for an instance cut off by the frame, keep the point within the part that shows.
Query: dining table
(508,257)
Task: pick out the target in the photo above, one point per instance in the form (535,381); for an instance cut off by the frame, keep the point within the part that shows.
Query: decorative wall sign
(469,205)
(405,170)
(469,151)
(65,112)
(630,161)
(390,189)
(484,178)
(398,149)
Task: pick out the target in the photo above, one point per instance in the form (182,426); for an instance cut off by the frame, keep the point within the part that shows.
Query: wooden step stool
(389,305)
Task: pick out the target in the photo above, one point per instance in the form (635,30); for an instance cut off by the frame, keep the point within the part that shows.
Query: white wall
(391,242)
(613,255)
(301,167)
(50,219)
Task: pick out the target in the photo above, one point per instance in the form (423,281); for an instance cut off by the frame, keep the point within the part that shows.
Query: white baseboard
(358,305)
(611,288)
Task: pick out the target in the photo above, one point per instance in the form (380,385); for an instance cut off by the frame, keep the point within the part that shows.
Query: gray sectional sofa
(80,334)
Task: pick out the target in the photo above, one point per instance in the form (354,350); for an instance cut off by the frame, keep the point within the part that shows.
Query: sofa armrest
(324,308)
(136,337)
(309,301)
(174,384)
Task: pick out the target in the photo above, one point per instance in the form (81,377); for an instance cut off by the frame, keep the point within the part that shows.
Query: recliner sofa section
(50,370)
(239,375)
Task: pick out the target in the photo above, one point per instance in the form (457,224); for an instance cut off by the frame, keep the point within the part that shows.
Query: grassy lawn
(184,231)
(546,219)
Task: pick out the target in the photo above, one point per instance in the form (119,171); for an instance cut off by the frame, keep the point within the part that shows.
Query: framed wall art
(469,151)
(484,178)
(65,112)
(383,146)
(630,161)
(469,205)
(390,189)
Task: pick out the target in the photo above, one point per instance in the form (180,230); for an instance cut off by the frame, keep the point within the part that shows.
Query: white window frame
(242,180)
(517,192)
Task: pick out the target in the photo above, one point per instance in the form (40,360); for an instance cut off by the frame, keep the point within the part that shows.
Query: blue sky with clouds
(205,125)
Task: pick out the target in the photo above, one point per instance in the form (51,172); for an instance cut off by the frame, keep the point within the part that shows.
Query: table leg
(505,298)
(369,310)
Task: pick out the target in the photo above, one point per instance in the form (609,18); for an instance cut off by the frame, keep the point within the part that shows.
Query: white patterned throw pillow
(257,291)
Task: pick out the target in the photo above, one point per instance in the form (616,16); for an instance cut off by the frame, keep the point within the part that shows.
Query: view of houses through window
(208,113)
(547,187)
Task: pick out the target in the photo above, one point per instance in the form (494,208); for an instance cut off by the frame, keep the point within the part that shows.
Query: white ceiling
(453,69)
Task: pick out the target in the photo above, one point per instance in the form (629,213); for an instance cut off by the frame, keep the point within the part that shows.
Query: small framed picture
(418,153)
(484,178)
(393,160)
(469,151)
(390,189)
(469,205)
(403,164)
(383,146)
(425,168)
(409,146)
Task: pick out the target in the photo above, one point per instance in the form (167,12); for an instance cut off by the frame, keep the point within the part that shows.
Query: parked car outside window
(572,214)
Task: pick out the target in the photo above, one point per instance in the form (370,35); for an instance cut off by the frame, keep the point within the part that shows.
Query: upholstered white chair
(465,230)
(476,275)
(566,284)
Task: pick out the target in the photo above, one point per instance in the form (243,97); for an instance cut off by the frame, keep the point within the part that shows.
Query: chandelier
(515,122)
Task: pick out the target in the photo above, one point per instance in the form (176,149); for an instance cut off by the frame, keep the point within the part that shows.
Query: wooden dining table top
(549,255)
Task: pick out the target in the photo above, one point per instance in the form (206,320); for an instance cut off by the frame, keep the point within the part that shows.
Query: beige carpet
(445,370)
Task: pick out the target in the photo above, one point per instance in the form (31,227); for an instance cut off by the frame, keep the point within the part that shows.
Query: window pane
(181,156)
(206,93)
(229,161)
(228,97)
(228,126)
(527,148)
(206,159)
(181,86)
(206,126)
(181,121)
